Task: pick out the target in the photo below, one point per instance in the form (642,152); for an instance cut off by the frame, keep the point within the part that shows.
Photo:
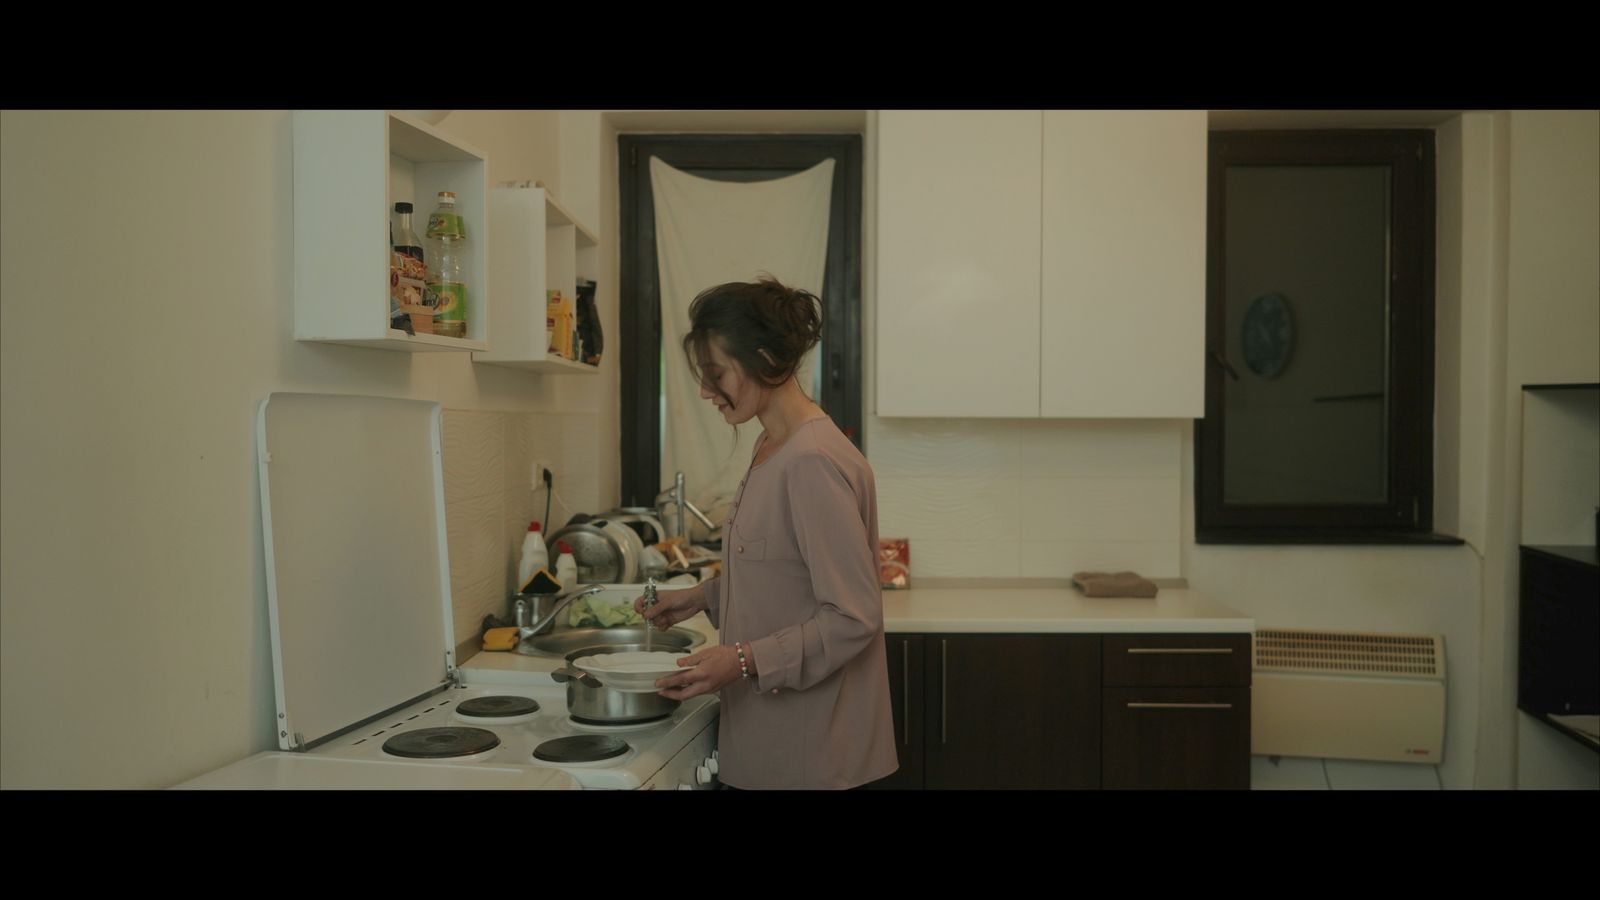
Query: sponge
(500,638)
(542,582)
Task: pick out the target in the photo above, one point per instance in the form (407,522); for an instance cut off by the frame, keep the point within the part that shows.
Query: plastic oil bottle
(447,265)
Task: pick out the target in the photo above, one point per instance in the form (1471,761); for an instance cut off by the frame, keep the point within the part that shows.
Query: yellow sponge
(542,582)
(500,638)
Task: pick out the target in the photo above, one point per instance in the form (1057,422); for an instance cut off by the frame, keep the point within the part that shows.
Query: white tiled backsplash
(489,497)
(1025,498)
(978,498)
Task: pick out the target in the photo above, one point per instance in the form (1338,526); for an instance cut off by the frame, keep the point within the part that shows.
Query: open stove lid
(358,578)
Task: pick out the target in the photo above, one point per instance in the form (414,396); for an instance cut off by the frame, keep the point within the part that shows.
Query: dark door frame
(730,157)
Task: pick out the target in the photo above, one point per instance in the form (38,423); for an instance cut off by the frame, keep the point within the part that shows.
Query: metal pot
(606,552)
(590,701)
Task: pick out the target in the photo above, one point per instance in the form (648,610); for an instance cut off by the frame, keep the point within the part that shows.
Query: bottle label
(446,224)
(452,301)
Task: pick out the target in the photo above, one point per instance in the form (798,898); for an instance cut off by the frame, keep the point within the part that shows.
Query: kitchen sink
(562,642)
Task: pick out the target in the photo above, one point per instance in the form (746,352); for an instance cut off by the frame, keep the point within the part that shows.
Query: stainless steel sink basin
(562,642)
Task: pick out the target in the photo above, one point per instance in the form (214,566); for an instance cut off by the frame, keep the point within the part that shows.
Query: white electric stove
(496,736)
(358,587)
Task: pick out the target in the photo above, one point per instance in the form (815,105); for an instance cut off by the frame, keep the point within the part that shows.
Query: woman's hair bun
(766,326)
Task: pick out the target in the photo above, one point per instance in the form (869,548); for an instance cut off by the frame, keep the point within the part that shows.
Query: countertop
(976,609)
(1012,610)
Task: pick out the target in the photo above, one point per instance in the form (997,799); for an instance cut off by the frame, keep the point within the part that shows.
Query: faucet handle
(650,592)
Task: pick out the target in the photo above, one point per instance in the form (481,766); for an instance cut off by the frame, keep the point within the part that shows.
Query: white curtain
(708,233)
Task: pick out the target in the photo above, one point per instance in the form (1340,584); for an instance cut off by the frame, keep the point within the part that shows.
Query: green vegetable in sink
(589,611)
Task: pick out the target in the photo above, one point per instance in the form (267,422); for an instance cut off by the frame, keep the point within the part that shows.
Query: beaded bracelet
(743,668)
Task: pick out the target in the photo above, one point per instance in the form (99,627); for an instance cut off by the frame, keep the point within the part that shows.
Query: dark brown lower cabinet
(996,711)
(1177,738)
(905,699)
(1177,711)
(1053,711)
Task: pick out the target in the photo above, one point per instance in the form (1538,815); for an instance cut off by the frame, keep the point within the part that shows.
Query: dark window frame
(1406,516)
(733,157)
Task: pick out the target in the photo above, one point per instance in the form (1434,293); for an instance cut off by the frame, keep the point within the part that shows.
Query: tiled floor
(1286,773)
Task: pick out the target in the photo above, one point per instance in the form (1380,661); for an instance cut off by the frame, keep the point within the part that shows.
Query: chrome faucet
(562,601)
(676,494)
(678,498)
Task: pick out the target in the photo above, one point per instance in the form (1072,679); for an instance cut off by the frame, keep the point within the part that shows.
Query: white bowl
(634,671)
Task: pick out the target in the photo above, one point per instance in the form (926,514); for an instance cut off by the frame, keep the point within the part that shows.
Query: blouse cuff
(777,658)
(712,594)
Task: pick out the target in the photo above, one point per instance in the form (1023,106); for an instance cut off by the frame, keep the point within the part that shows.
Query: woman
(802,656)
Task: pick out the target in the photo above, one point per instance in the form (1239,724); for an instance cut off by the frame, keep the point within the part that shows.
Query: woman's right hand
(672,607)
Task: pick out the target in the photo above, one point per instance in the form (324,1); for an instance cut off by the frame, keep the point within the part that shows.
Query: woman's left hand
(713,669)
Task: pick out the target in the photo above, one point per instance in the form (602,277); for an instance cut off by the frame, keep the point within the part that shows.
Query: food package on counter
(894,563)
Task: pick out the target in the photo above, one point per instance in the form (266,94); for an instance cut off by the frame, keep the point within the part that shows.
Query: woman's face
(723,373)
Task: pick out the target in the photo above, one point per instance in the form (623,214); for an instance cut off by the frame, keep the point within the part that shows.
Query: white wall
(1553,320)
(581,156)
(1555,232)
(146,272)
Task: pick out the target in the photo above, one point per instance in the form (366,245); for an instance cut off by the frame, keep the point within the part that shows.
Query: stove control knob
(711,764)
(702,775)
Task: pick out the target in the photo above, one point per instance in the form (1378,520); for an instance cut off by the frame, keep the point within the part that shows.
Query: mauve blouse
(799,587)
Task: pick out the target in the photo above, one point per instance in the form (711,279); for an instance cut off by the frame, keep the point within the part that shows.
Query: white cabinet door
(1122,313)
(958,263)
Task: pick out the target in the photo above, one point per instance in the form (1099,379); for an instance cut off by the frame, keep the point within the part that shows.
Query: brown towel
(1119,584)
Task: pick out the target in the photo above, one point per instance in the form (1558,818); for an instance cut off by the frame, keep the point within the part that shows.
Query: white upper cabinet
(1041,263)
(1122,318)
(958,263)
(350,168)
(536,246)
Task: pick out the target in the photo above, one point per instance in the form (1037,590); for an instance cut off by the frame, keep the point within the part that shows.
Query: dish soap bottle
(566,566)
(534,556)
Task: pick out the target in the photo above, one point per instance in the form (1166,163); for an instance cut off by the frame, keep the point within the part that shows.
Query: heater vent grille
(1349,653)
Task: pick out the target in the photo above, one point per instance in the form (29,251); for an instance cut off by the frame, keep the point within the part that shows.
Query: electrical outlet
(540,466)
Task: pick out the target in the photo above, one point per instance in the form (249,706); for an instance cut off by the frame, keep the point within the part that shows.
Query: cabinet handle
(1180,649)
(905,692)
(944,692)
(1180,706)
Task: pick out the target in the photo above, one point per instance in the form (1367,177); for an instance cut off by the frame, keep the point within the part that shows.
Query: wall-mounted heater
(1348,695)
